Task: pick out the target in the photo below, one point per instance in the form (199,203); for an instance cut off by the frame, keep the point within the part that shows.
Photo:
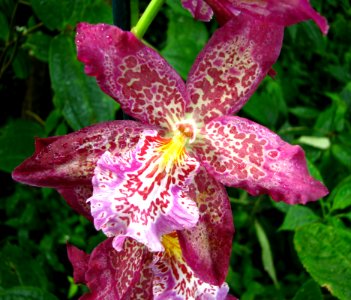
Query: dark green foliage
(279,252)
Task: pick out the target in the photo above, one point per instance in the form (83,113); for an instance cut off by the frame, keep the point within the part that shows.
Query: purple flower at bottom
(136,273)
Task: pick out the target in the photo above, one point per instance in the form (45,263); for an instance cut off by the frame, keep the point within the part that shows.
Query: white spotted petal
(244,154)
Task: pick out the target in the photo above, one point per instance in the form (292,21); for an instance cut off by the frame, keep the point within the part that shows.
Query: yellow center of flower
(172,247)
(173,150)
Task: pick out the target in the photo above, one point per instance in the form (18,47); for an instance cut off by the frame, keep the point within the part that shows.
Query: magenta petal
(79,260)
(76,197)
(244,154)
(143,289)
(109,274)
(207,247)
(283,12)
(231,66)
(70,160)
(133,74)
(199,9)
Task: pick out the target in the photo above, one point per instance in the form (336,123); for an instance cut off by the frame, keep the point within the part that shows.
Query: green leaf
(26,293)
(298,216)
(343,154)
(266,105)
(341,195)
(312,169)
(314,141)
(267,258)
(21,64)
(52,121)
(38,44)
(57,14)
(304,112)
(325,252)
(4,27)
(185,39)
(97,11)
(309,291)
(17,143)
(77,95)
(67,13)
(18,268)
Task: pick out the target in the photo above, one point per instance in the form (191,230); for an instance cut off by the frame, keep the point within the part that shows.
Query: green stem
(147,17)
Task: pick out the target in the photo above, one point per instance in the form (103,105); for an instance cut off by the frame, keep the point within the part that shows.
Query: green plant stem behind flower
(147,17)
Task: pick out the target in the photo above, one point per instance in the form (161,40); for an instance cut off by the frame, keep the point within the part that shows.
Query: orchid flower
(136,273)
(165,172)
(282,12)
(143,193)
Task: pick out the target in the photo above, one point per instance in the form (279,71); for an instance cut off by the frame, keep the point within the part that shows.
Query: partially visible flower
(282,12)
(136,273)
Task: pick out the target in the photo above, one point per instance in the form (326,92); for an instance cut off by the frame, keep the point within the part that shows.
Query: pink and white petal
(112,275)
(207,246)
(70,160)
(244,154)
(76,197)
(135,75)
(143,289)
(283,12)
(80,261)
(199,9)
(174,279)
(231,66)
(136,196)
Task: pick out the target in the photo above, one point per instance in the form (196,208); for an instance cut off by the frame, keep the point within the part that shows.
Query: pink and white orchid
(165,172)
(282,12)
(143,193)
(136,273)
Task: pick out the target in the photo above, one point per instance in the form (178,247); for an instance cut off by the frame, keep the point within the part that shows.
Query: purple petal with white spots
(231,66)
(207,246)
(244,154)
(135,75)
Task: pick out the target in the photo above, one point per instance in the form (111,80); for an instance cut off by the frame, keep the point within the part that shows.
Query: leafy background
(279,251)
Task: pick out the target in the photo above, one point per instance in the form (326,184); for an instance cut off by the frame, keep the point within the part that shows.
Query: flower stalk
(146,19)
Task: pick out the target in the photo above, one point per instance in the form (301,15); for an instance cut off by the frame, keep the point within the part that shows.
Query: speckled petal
(174,279)
(207,246)
(283,12)
(143,289)
(136,195)
(70,160)
(76,197)
(241,153)
(110,275)
(199,9)
(133,74)
(231,66)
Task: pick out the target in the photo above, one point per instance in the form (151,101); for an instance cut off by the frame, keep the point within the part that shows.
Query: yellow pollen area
(172,247)
(173,151)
